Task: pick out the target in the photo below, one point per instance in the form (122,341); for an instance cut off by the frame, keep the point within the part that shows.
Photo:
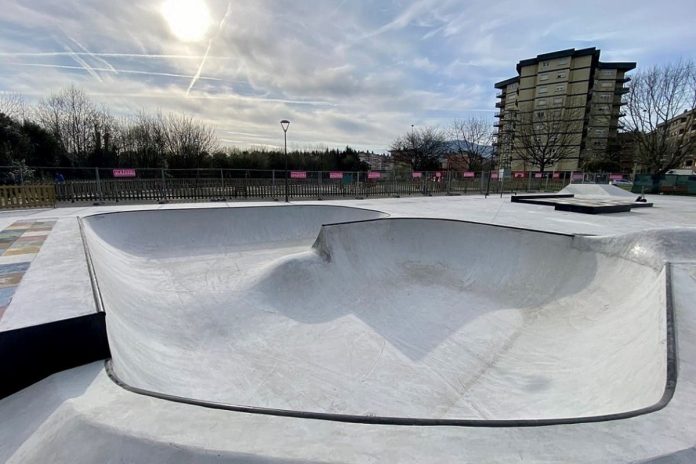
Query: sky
(344,72)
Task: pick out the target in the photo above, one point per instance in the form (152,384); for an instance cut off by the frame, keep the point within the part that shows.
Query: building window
(543,77)
(545,64)
(605,96)
(560,75)
(543,90)
(541,103)
(607,85)
(560,88)
(557,100)
(563,61)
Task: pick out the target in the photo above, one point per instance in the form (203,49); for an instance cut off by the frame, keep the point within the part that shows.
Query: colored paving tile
(19,239)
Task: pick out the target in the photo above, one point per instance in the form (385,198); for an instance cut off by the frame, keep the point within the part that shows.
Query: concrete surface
(82,416)
(429,318)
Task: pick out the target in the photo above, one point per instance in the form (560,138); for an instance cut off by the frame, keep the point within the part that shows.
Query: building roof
(506,82)
(623,65)
(559,54)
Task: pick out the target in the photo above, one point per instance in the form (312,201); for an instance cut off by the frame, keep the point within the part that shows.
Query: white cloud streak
(207,50)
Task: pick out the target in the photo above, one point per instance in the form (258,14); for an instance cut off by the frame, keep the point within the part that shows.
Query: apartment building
(682,131)
(572,86)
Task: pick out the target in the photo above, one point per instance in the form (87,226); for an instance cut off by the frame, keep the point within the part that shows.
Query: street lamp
(285,124)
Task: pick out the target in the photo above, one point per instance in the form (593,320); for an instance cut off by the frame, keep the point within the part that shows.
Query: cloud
(353,72)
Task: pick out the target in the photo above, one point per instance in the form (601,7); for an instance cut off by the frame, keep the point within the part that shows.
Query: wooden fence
(27,196)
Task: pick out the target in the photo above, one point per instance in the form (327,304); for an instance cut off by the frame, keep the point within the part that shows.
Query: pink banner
(373,175)
(538,175)
(335,175)
(615,176)
(578,176)
(124,172)
(416,175)
(469,174)
(556,175)
(438,174)
(298,174)
(494,175)
(518,175)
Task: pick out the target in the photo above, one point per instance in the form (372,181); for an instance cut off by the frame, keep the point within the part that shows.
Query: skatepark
(464,329)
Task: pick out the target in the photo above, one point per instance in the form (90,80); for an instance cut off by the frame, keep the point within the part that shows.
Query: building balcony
(498,115)
(622,91)
(497,124)
(499,104)
(624,80)
(500,95)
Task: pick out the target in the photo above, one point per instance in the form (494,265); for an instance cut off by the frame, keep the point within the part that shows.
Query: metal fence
(170,185)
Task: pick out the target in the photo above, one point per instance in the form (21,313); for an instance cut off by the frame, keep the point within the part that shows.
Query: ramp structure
(339,311)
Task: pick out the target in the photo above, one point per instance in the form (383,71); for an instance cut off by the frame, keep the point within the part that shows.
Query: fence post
(164,185)
(99,190)
(529,181)
(319,176)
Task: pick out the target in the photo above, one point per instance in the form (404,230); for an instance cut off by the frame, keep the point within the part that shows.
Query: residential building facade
(682,130)
(571,85)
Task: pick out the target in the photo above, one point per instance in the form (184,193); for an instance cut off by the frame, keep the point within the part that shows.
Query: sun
(188,20)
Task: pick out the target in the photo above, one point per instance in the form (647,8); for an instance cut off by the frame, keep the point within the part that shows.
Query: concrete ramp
(427,318)
(598,190)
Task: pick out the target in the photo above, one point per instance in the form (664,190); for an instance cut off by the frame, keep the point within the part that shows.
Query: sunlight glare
(188,20)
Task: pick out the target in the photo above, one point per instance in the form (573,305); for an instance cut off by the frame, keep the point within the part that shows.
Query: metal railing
(79,185)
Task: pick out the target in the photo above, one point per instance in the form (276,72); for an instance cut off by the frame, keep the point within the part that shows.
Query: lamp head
(285,124)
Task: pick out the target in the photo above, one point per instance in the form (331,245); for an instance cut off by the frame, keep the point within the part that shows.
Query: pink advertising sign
(578,176)
(336,175)
(416,175)
(469,174)
(538,175)
(518,174)
(298,174)
(124,172)
(373,175)
(615,176)
(494,175)
(556,175)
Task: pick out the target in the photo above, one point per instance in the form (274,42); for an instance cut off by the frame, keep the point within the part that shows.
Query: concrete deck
(80,415)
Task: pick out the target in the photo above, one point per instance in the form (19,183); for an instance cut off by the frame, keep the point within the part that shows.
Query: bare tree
(421,148)
(13,105)
(543,138)
(473,138)
(660,116)
(141,141)
(186,139)
(70,115)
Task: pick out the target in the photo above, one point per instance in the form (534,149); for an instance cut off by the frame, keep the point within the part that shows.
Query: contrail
(111,70)
(92,55)
(82,63)
(207,50)
(114,55)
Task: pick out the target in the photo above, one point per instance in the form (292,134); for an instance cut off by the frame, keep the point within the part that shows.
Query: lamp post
(285,124)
